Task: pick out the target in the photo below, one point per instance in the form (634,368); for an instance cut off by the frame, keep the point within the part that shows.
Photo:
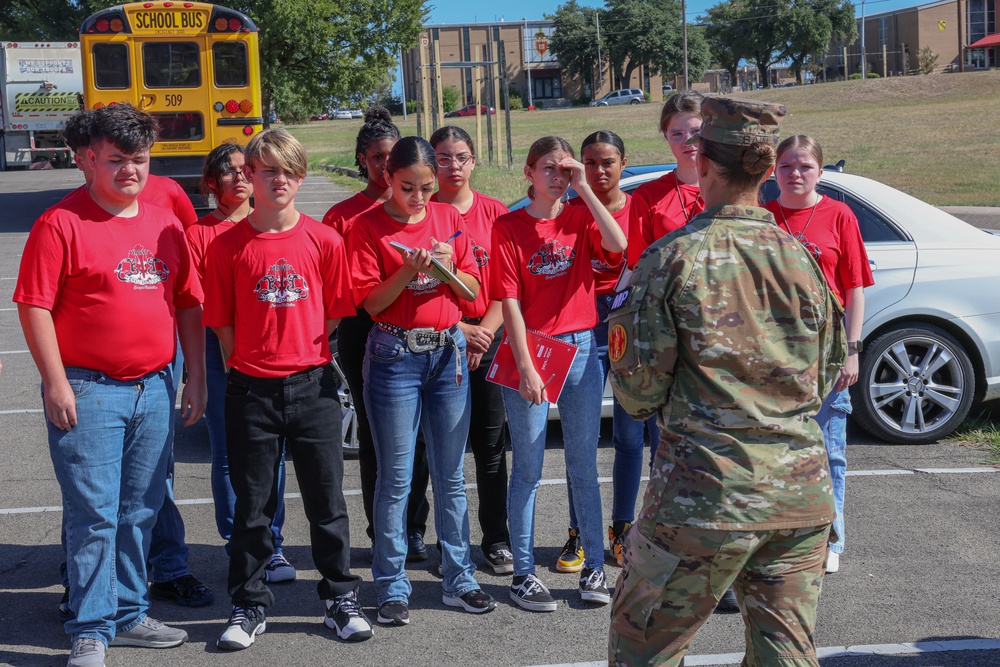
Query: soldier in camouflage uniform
(730,335)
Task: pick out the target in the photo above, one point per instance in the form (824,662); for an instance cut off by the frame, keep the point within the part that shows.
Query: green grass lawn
(935,137)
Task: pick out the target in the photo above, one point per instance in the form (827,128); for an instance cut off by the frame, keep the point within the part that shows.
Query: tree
(574,40)
(723,32)
(926,60)
(643,33)
(811,25)
(754,29)
(699,54)
(49,20)
(315,50)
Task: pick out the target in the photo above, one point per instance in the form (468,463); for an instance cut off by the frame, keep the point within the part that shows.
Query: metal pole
(600,66)
(684,25)
(864,65)
(961,48)
(402,82)
(526,42)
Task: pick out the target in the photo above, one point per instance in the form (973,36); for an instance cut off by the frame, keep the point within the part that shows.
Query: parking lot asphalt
(920,571)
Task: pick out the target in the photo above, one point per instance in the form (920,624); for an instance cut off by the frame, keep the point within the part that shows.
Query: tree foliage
(811,25)
(724,27)
(926,60)
(574,41)
(314,51)
(49,20)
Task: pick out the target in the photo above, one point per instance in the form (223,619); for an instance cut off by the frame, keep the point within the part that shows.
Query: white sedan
(931,339)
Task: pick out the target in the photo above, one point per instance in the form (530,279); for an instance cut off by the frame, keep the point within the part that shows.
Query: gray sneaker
(150,633)
(87,652)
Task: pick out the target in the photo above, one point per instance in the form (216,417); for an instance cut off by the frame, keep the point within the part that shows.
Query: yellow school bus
(193,65)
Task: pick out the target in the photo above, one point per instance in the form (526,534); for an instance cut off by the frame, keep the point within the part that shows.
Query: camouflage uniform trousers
(671,584)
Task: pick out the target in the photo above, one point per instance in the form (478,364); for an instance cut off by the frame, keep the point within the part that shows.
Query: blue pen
(453,236)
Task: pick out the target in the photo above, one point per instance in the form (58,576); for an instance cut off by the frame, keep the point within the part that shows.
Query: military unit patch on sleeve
(617,342)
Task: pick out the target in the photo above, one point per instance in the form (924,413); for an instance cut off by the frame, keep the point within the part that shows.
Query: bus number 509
(173,100)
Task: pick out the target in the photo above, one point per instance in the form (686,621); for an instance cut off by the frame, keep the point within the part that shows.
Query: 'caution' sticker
(34,102)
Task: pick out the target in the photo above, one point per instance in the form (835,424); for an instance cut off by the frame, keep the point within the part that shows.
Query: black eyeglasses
(231,175)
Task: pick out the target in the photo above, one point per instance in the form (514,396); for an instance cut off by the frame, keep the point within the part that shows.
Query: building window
(546,88)
(883,32)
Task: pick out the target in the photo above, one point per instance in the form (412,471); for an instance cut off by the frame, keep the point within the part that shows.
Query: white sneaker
(245,624)
(278,569)
(87,652)
(832,562)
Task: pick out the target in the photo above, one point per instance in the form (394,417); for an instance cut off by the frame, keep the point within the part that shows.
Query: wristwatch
(853,346)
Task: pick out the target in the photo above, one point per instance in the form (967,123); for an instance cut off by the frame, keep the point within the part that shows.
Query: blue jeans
(111,469)
(580,413)
(832,419)
(629,438)
(215,417)
(406,391)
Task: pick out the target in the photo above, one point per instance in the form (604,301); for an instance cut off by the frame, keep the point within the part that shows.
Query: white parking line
(545,482)
(14,351)
(907,648)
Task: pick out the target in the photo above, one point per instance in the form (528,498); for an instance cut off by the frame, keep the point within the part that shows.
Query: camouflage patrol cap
(738,123)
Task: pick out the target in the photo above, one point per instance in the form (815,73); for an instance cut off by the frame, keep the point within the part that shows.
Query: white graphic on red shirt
(282,285)
(142,268)
(551,259)
(479,252)
(423,283)
(603,267)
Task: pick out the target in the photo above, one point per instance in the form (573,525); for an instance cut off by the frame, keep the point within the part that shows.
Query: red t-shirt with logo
(277,290)
(479,222)
(834,240)
(342,215)
(605,275)
(426,301)
(112,284)
(200,236)
(167,193)
(547,266)
(658,208)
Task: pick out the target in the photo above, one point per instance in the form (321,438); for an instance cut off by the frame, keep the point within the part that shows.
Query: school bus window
(231,64)
(171,65)
(181,126)
(111,68)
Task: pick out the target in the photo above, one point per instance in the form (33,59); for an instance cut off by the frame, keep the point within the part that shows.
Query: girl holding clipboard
(415,371)
(545,281)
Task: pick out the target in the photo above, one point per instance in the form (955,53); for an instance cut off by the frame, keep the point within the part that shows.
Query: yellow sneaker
(571,558)
(617,547)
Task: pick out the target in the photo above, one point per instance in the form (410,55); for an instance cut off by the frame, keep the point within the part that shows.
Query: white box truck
(41,86)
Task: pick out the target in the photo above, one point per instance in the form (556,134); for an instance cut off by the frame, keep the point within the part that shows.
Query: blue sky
(463,11)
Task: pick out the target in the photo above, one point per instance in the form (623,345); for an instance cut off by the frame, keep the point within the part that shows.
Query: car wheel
(634,102)
(348,414)
(915,385)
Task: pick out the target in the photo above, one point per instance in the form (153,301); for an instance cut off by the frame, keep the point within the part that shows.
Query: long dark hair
(742,167)
(411,152)
(378,126)
(605,137)
(217,163)
(452,133)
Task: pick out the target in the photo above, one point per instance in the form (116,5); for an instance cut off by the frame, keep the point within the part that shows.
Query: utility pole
(684,27)
(526,43)
(600,66)
(864,58)
(961,47)
(402,82)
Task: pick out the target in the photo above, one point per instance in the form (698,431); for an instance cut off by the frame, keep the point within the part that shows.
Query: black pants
(302,412)
(352,339)
(487,438)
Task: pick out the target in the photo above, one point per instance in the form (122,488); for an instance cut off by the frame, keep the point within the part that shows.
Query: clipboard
(551,356)
(438,270)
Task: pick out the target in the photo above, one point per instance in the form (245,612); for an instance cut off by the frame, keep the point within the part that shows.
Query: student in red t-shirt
(416,377)
(544,275)
(168,552)
(105,288)
(222,176)
(277,285)
(375,140)
(669,202)
(829,231)
(481,320)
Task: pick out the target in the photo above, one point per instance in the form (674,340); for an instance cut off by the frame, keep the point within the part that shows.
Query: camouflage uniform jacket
(729,332)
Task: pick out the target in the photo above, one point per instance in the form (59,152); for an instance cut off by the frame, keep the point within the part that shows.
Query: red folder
(552,358)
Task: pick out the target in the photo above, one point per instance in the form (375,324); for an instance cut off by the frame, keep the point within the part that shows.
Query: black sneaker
(593,586)
(245,624)
(185,591)
(65,613)
(728,603)
(345,617)
(416,550)
(531,594)
(394,612)
(500,559)
(474,601)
